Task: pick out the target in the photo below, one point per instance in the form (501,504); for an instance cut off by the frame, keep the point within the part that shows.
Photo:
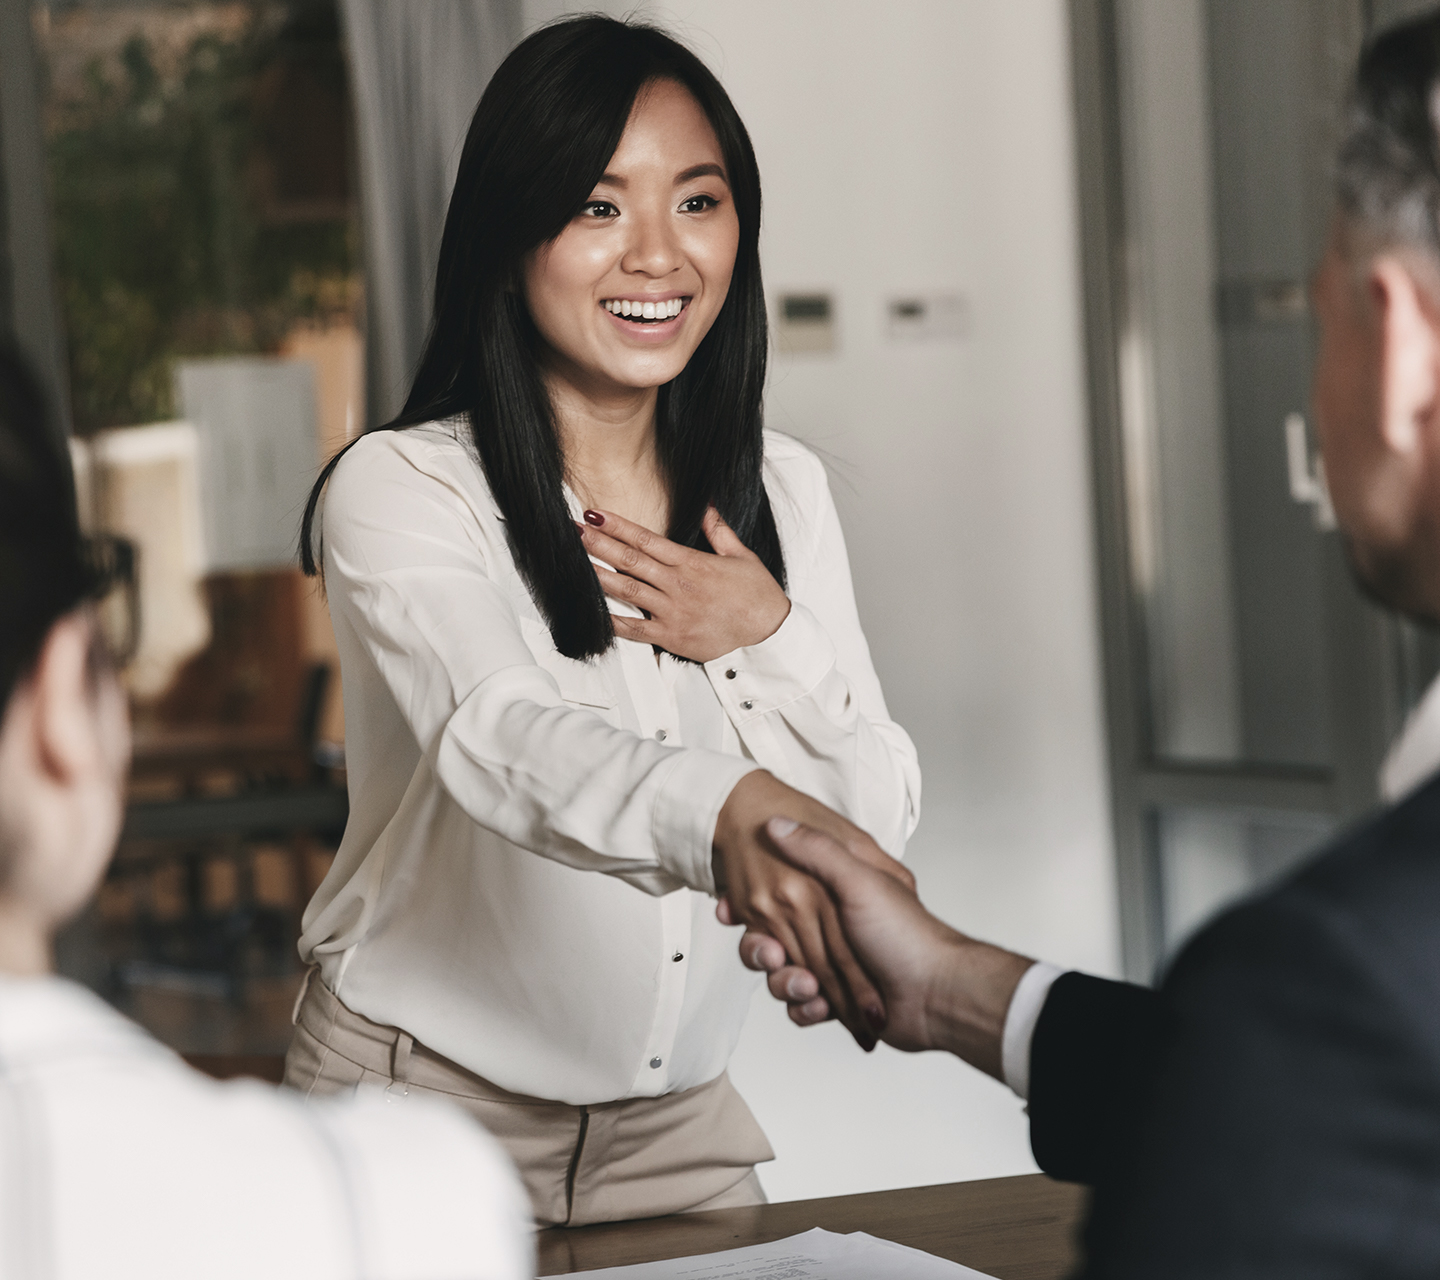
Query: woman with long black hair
(565,728)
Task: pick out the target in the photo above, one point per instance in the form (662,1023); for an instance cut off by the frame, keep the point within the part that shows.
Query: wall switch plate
(928,317)
(805,322)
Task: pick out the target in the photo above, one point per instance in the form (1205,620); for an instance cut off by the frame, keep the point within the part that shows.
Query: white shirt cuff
(687,808)
(1020,1020)
(759,678)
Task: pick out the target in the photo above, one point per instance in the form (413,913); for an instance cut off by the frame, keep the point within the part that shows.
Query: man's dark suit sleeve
(1091,1057)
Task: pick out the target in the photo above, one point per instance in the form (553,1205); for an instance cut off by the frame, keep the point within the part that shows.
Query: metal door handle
(1307,479)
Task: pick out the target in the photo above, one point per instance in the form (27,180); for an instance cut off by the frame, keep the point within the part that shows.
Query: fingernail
(865,1042)
(595,518)
(875,1016)
(781,827)
(792,989)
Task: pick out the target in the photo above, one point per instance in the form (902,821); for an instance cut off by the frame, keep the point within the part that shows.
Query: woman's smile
(647,319)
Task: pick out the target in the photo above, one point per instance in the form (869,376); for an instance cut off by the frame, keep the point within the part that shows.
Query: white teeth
(666,310)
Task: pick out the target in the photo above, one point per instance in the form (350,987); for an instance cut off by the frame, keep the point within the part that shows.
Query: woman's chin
(624,377)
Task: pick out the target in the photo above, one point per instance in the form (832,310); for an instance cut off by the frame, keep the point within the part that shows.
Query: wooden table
(1011,1228)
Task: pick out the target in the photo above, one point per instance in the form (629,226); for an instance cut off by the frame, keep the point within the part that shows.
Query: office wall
(925,147)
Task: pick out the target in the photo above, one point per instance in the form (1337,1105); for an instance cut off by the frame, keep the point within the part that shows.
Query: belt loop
(300,995)
(400,1063)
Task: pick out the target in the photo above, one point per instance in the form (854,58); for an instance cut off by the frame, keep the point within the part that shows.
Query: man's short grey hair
(1388,167)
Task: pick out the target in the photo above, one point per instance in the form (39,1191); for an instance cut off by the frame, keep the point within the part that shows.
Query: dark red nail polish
(875,1016)
(595,518)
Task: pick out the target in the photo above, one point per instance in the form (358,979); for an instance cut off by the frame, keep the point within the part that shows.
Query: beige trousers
(636,1158)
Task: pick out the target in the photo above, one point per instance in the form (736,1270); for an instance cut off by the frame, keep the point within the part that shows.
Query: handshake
(836,924)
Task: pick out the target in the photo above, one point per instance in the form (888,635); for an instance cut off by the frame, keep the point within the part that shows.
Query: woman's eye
(698,204)
(598,209)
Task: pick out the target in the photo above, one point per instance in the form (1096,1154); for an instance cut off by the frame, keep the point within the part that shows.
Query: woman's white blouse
(524,881)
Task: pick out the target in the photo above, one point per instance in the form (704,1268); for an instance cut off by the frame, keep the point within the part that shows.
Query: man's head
(64,735)
(1377,295)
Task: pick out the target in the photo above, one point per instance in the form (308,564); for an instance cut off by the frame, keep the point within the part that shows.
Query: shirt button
(655,1064)
(731,674)
(747,705)
(660,735)
(678,956)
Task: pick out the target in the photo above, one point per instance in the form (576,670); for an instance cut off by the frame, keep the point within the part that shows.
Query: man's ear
(1409,357)
(65,740)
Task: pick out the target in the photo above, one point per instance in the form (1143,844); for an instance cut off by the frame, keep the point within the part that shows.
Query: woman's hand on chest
(699,606)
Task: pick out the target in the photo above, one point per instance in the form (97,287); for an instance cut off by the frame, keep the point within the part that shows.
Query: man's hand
(764,891)
(941,989)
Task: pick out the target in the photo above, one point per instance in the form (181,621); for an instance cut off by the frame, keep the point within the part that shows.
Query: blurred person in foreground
(115,1158)
(1274,1108)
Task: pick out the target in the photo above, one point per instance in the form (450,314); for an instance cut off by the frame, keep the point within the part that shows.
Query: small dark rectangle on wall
(805,322)
(810,307)
(927,317)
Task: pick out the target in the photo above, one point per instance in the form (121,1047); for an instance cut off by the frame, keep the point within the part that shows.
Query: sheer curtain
(418,68)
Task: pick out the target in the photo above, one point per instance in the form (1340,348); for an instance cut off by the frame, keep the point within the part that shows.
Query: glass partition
(1218,124)
(1252,692)
(1211,855)
(207,257)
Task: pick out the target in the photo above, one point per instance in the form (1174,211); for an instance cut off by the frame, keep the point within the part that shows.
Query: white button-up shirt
(523,884)
(117,1160)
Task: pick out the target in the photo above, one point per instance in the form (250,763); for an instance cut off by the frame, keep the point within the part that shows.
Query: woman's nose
(653,249)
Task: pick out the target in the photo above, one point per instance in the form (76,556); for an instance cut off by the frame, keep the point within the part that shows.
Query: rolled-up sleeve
(806,701)
(405,564)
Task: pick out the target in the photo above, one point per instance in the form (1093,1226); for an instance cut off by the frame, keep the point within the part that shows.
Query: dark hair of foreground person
(45,570)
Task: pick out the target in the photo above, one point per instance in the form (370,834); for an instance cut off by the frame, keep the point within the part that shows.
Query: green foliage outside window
(170,238)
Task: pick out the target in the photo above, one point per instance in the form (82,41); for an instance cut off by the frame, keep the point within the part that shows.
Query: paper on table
(813,1255)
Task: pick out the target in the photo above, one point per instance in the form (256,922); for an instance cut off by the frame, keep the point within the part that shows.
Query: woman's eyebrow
(707,170)
(701,171)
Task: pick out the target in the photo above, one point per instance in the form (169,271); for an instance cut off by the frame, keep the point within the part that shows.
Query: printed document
(814,1255)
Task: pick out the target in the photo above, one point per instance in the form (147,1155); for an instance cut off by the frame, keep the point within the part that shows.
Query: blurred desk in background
(1010,1228)
(193,933)
(319,810)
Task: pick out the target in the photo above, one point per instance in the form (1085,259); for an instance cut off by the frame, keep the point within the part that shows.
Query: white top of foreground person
(117,1160)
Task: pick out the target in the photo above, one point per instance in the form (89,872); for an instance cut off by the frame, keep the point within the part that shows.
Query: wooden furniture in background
(1010,1228)
(269,1067)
